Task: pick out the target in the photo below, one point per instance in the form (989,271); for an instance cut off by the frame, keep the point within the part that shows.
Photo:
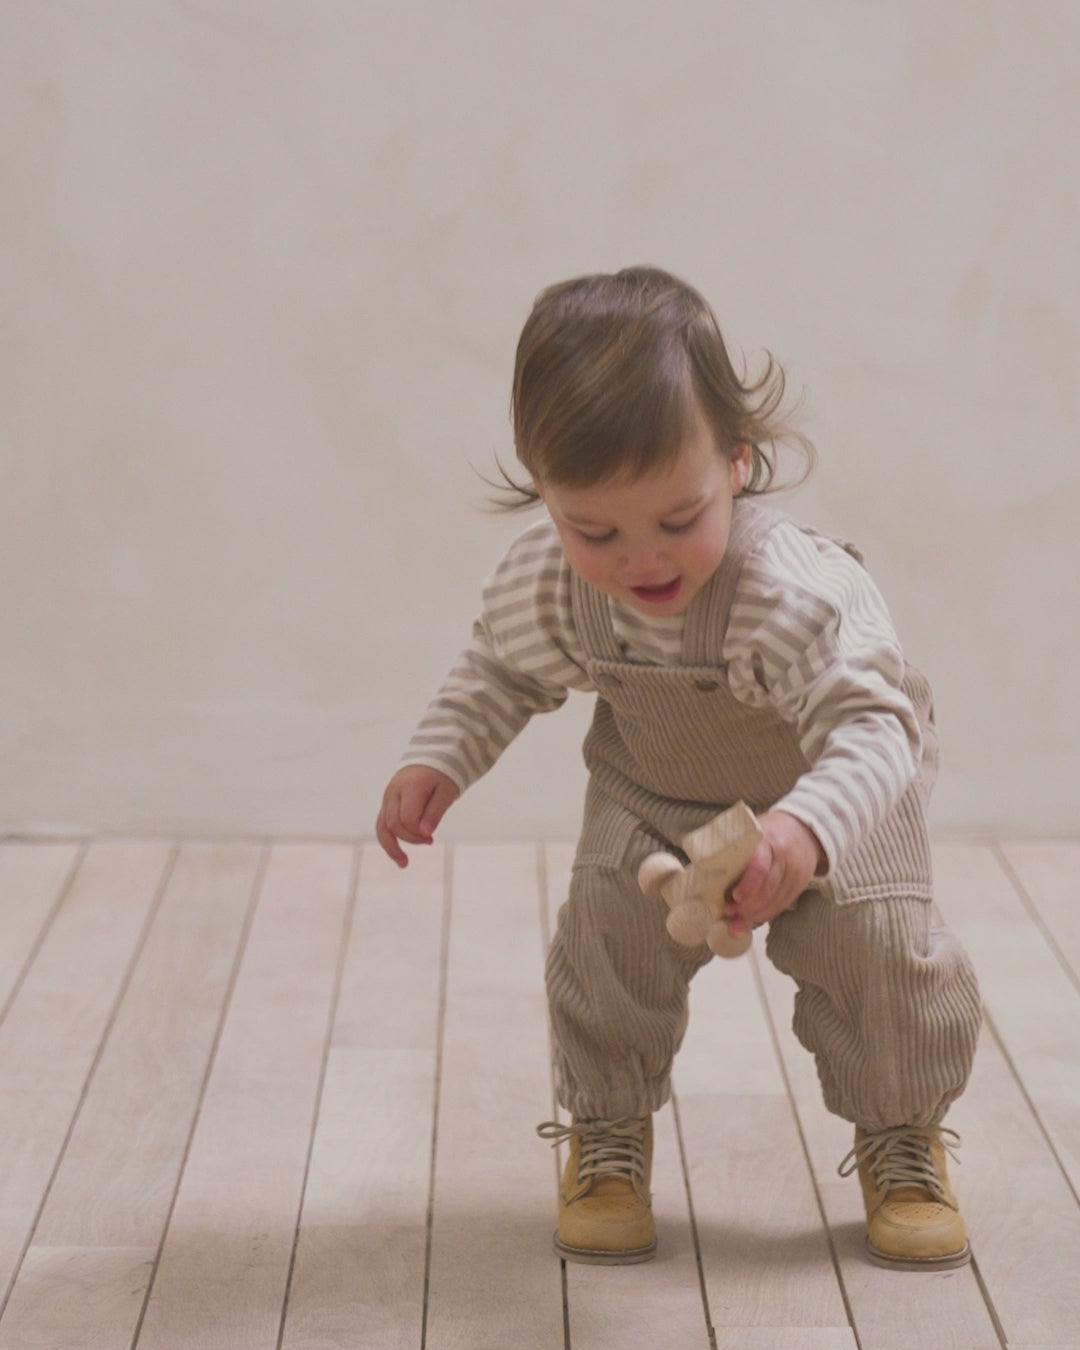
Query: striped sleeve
(523,659)
(810,634)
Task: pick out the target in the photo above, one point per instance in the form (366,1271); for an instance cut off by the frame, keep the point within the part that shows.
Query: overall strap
(707,617)
(592,618)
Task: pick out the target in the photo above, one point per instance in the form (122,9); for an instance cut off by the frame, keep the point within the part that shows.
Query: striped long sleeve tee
(808,634)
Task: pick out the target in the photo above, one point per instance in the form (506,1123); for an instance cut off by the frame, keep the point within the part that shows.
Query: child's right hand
(415,800)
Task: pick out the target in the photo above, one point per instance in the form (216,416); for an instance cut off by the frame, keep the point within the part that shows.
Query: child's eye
(598,538)
(681,528)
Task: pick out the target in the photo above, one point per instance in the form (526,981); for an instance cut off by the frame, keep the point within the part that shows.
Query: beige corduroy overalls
(887,999)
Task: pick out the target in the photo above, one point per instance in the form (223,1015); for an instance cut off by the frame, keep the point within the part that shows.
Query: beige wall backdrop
(263,265)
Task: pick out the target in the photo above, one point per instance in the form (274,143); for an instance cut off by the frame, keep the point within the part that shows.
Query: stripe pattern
(796,633)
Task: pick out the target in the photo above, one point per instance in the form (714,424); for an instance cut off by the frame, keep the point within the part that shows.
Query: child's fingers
(756,876)
(389,843)
(413,804)
(442,797)
(410,805)
(397,821)
(750,897)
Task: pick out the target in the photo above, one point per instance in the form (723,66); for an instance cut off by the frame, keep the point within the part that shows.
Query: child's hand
(776,875)
(415,800)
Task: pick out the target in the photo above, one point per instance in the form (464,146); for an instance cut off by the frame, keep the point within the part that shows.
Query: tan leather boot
(605,1210)
(912,1218)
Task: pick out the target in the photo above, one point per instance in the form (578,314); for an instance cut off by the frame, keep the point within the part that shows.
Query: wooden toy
(718,854)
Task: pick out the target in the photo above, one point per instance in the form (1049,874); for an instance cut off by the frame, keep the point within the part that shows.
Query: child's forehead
(696,457)
(681,480)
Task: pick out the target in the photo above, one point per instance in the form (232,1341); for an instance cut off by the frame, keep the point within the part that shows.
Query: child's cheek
(705,555)
(589,570)
(586,562)
(698,560)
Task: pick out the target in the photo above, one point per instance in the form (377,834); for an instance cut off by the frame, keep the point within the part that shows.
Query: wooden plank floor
(281,1095)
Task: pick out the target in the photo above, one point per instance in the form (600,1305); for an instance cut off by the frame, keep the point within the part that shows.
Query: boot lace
(901,1156)
(608,1148)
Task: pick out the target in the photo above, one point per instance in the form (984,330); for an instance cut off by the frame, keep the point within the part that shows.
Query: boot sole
(950,1261)
(586,1256)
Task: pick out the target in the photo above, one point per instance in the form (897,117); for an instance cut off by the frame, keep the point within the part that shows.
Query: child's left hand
(776,875)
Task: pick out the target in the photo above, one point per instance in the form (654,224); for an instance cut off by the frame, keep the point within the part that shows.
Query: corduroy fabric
(887,1002)
(888,1005)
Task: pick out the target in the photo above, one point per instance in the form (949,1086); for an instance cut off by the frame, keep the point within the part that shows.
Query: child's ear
(742,462)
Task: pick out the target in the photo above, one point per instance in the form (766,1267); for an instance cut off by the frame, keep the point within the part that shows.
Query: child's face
(655,540)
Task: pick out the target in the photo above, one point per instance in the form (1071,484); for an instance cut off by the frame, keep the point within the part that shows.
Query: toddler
(735,655)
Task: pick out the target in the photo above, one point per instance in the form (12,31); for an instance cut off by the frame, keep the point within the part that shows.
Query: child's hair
(610,372)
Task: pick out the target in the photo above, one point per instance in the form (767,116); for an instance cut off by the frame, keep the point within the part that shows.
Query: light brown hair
(611,371)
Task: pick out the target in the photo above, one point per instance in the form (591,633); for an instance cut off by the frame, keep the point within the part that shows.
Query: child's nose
(640,555)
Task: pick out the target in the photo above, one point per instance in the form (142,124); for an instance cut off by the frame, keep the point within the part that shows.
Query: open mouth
(657,595)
